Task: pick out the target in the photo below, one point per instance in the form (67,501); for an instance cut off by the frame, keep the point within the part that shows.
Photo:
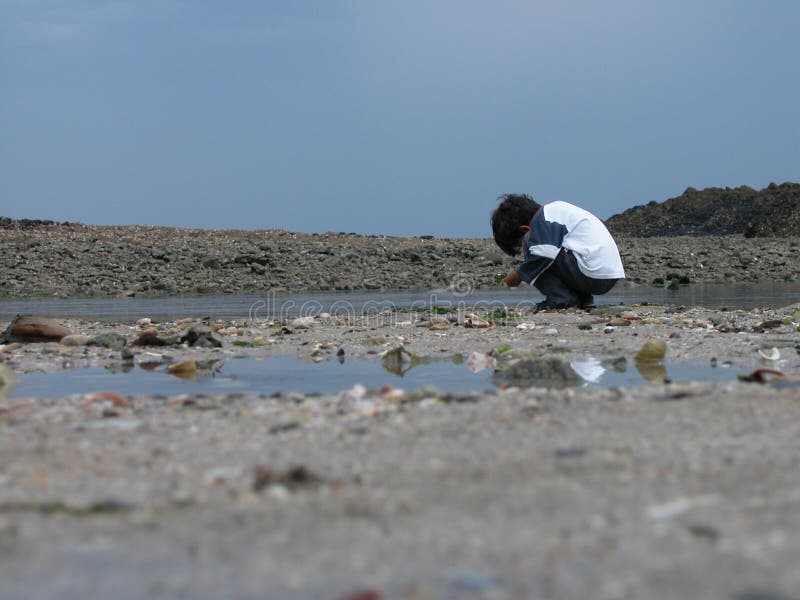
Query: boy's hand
(512,279)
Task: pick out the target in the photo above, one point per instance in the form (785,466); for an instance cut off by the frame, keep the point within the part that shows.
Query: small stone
(149,338)
(541,372)
(202,336)
(76,340)
(551,331)
(584,326)
(652,350)
(619,322)
(113,341)
(608,329)
(126,354)
(367,594)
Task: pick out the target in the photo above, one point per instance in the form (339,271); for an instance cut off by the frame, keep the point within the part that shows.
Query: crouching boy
(569,255)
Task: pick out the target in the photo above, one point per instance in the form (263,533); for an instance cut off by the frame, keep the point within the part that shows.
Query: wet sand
(663,490)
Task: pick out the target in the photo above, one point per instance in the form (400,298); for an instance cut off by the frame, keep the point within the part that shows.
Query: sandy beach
(550,488)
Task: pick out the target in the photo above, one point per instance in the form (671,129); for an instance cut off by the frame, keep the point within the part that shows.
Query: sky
(385,116)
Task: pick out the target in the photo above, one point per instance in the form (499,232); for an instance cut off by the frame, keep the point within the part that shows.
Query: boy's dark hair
(515,210)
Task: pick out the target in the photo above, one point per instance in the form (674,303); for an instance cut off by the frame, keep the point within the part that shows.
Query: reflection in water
(399,361)
(286,374)
(8,380)
(652,371)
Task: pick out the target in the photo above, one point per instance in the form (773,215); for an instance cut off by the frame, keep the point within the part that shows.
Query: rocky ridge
(771,212)
(75,260)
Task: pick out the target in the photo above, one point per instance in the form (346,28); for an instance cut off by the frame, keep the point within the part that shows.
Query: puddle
(287,374)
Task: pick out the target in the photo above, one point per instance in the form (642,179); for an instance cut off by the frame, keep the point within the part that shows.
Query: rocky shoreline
(70,259)
(537,488)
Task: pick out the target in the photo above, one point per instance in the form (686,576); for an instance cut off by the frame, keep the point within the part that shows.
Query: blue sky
(390,117)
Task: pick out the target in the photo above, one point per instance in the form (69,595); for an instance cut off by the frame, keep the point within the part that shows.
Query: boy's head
(515,211)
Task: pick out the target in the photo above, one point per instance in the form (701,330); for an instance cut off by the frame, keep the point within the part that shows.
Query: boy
(568,252)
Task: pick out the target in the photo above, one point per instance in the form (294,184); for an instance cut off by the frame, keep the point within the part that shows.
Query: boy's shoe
(585,301)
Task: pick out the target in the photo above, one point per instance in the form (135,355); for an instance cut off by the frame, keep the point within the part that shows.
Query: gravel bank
(73,259)
(683,490)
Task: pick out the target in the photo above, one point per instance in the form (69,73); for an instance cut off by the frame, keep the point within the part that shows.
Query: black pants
(564,284)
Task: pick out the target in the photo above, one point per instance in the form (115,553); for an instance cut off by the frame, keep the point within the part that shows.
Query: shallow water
(286,374)
(269,305)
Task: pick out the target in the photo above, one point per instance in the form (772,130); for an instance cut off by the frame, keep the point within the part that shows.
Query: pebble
(113,341)
(76,340)
(652,350)
(619,323)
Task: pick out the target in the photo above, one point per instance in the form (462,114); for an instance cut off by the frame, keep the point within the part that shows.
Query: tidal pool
(269,305)
(287,374)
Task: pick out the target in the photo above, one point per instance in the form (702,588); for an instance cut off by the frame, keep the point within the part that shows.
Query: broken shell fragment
(439,324)
(652,351)
(772,354)
(476,323)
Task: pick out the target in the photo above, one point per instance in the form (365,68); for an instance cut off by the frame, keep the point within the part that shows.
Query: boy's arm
(512,279)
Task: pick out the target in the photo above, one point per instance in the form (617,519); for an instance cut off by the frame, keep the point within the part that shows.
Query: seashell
(772,354)
(302,323)
(185,369)
(652,351)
